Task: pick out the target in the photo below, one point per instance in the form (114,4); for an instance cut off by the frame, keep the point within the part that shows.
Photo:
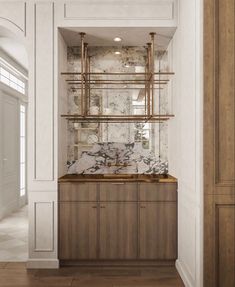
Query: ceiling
(130,36)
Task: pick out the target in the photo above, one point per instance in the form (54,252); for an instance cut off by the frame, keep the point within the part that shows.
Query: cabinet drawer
(78,191)
(118,191)
(158,191)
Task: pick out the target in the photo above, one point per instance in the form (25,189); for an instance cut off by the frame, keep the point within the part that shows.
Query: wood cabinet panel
(78,192)
(118,230)
(158,192)
(78,230)
(118,191)
(158,230)
(219,143)
(225,215)
(225,92)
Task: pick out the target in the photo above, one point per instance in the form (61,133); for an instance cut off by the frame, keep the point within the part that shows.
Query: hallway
(14,237)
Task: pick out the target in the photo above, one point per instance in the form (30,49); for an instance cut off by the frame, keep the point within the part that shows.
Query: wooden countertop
(118,178)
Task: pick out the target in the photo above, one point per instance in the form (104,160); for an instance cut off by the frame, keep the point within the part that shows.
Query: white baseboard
(42,264)
(183,274)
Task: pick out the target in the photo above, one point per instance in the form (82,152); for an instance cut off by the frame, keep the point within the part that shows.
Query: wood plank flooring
(15,274)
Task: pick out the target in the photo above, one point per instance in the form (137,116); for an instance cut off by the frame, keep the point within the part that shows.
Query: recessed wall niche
(126,100)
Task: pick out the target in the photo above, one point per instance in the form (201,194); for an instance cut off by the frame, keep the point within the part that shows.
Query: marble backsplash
(111,157)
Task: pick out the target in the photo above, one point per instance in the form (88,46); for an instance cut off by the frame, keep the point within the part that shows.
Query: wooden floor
(15,274)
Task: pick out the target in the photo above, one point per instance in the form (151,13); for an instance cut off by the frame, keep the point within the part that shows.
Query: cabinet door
(158,230)
(118,231)
(78,230)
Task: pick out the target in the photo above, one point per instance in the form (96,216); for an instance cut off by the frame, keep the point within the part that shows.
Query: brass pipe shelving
(87,81)
(119,73)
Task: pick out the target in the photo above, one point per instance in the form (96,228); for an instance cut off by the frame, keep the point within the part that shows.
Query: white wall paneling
(150,10)
(43,229)
(38,37)
(44,92)
(44,226)
(185,139)
(111,13)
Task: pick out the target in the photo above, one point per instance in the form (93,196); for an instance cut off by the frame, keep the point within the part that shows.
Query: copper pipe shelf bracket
(152,34)
(82,67)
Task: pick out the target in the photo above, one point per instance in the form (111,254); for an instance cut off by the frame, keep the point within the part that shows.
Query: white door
(10,146)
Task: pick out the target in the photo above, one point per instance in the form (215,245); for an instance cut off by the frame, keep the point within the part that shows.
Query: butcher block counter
(118,177)
(117,219)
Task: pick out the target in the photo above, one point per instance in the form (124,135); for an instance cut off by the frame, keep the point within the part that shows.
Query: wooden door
(118,230)
(78,230)
(158,230)
(219,143)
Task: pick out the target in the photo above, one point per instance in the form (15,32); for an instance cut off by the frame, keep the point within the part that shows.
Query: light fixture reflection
(117,39)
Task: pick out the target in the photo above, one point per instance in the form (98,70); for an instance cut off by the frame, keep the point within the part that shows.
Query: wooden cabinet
(113,221)
(82,191)
(158,221)
(78,230)
(157,192)
(118,191)
(157,232)
(118,230)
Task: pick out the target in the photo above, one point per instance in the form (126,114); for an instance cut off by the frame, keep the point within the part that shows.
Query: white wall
(185,139)
(62,106)
(36,24)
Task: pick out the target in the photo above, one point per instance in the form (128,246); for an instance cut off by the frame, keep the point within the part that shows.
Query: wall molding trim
(183,274)
(70,13)
(43,172)
(51,247)
(42,264)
